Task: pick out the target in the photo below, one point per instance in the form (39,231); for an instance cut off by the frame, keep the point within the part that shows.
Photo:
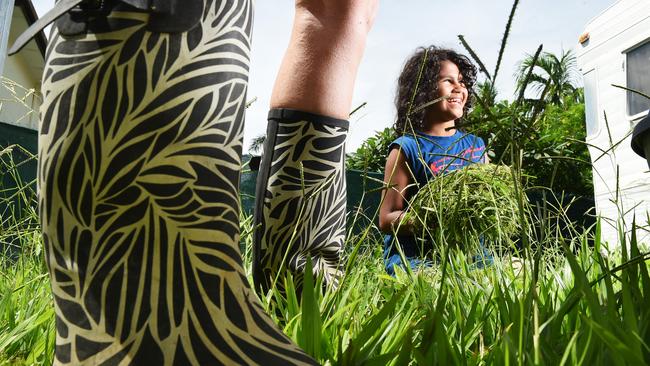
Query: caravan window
(638,78)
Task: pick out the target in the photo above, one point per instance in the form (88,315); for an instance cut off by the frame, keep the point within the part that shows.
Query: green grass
(563,303)
(26,309)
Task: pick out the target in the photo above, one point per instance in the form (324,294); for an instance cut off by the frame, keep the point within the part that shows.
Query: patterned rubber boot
(140,153)
(300,200)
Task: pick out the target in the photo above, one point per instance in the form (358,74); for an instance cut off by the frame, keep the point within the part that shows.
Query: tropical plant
(543,134)
(550,148)
(257,143)
(371,155)
(553,78)
(485,92)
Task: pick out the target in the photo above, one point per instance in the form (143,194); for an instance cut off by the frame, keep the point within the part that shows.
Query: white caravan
(615,50)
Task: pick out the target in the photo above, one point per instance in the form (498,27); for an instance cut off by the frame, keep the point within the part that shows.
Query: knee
(356,15)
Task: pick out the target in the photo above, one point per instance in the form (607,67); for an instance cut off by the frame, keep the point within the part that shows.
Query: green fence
(18,167)
(363,198)
(18,176)
(18,147)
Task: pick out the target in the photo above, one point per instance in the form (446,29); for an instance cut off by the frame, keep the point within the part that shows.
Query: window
(591,101)
(638,78)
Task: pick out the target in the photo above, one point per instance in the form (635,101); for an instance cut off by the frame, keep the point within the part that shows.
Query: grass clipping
(478,200)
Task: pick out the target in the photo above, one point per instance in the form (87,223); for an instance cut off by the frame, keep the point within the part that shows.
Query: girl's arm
(397,177)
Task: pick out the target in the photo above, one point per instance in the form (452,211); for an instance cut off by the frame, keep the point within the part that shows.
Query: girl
(432,97)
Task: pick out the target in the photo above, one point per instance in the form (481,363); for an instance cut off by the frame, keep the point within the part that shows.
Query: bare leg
(301,193)
(319,69)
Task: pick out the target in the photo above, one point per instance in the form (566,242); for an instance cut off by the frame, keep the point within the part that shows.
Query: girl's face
(450,85)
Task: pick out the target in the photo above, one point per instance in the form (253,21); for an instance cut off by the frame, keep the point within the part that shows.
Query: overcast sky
(400,27)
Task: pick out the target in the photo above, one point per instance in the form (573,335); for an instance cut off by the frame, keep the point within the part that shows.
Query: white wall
(21,80)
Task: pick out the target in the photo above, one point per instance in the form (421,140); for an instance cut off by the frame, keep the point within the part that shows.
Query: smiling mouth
(454,100)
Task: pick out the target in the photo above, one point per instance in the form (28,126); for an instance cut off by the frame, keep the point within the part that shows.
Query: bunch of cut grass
(480,200)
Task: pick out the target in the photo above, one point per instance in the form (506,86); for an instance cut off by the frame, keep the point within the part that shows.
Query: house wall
(21,80)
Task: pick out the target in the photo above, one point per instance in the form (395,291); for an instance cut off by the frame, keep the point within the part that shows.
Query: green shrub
(371,155)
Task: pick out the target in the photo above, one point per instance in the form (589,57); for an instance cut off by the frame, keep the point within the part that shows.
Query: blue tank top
(428,156)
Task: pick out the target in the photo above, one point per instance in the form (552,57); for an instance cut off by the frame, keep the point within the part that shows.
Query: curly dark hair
(415,90)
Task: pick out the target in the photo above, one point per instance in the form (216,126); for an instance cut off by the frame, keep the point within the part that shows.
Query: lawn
(566,299)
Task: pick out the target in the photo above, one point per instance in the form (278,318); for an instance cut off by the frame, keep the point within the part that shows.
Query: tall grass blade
(474,56)
(311,323)
(504,40)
